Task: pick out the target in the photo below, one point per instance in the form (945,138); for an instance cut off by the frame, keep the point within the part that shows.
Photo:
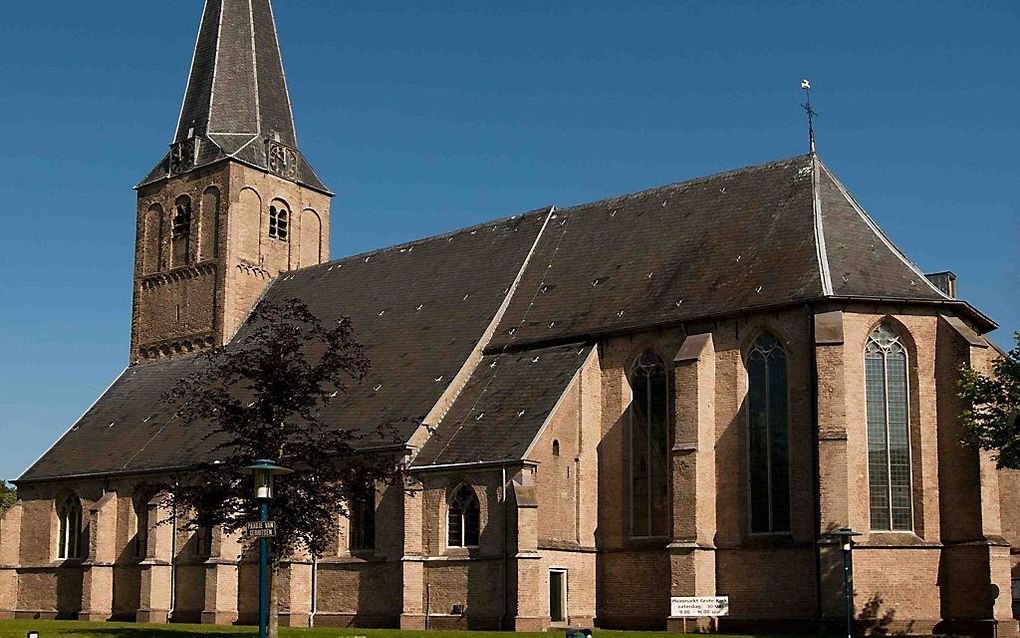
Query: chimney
(944,281)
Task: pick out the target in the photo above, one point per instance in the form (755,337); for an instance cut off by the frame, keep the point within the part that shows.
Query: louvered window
(888,395)
(768,437)
(278,223)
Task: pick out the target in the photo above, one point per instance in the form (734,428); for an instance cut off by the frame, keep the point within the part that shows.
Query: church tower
(233,203)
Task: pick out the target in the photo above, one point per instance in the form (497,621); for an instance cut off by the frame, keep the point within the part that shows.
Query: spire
(236,104)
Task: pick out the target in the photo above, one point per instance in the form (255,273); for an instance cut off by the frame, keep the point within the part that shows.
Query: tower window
(649,436)
(888,394)
(69,532)
(768,440)
(182,232)
(463,518)
(278,223)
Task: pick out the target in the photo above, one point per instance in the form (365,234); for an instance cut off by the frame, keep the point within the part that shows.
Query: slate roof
(419,309)
(782,233)
(504,406)
(237,98)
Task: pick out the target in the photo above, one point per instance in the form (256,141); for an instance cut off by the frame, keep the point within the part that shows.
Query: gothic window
(362,518)
(768,437)
(649,437)
(278,222)
(182,232)
(887,392)
(463,518)
(69,532)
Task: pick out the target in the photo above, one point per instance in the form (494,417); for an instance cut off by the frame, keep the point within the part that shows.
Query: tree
(261,397)
(8,496)
(990,418)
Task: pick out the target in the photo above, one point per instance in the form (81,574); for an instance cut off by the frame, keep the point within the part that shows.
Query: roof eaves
(74,424)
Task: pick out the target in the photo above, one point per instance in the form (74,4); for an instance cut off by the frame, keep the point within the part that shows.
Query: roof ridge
(415,242)
(687,182)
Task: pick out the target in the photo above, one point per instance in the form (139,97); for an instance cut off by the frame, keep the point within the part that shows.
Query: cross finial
(805,84)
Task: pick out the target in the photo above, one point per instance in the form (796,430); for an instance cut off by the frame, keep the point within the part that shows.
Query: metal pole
(848,584)
(263,575)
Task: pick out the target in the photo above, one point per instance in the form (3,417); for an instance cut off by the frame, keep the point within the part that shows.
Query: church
(675,392)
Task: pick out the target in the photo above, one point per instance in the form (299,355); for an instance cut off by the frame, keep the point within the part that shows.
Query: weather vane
(811,114)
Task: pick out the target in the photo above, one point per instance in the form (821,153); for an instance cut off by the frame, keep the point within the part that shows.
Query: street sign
(260,529)
(699,606)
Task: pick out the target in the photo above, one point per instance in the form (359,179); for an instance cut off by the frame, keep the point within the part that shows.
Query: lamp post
(846,542)
(264,470)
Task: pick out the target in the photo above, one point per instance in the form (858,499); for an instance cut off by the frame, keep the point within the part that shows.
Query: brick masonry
(565,507)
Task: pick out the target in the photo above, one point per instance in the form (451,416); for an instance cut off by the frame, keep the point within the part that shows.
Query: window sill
(890,539)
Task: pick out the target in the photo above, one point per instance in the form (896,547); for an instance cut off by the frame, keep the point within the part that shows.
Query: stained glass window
(768,437)
(649,439)
(887,392)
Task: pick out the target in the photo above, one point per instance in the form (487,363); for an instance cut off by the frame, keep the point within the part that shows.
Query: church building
(675,392)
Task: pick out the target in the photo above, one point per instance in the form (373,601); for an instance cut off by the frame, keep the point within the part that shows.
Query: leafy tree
(262,397)
(8,496)
(990,417)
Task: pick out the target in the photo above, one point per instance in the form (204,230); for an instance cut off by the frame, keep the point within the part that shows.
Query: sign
(699,606)
(260,529)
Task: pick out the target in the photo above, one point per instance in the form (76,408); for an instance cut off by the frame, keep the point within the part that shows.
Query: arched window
(278,222)
(556,447)
(888,398)
(362,518)
(463,519)
(649,442)
(768,437)
(182,232)
(69,541)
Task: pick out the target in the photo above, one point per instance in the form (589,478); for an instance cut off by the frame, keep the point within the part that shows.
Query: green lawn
(64,629)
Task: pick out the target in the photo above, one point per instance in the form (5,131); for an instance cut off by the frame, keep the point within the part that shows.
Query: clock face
(182,155)
(282,160)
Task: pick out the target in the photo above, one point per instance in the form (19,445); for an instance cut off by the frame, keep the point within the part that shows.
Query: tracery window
(463,518)
(768,437)
(362,519)
(182,232)
(649,438)
(888,394)
(69,530)
(278,222)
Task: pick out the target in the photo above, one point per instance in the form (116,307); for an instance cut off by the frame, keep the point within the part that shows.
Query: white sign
(699,606)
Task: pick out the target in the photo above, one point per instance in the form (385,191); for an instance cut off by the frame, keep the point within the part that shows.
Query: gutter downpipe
(173,564)
(506,577)
(315,592)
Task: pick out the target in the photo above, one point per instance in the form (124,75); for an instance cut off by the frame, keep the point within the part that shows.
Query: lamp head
(264,470)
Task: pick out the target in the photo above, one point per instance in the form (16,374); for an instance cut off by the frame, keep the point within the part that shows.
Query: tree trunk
(274,602)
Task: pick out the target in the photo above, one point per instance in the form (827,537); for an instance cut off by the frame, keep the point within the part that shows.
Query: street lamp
(846,542)
(264,470)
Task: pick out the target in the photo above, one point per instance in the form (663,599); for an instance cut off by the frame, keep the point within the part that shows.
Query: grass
(67,629)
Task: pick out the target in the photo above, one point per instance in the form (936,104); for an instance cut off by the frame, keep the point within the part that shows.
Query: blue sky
(428,116)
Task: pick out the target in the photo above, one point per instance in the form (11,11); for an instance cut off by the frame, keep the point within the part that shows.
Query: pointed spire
(236,103)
